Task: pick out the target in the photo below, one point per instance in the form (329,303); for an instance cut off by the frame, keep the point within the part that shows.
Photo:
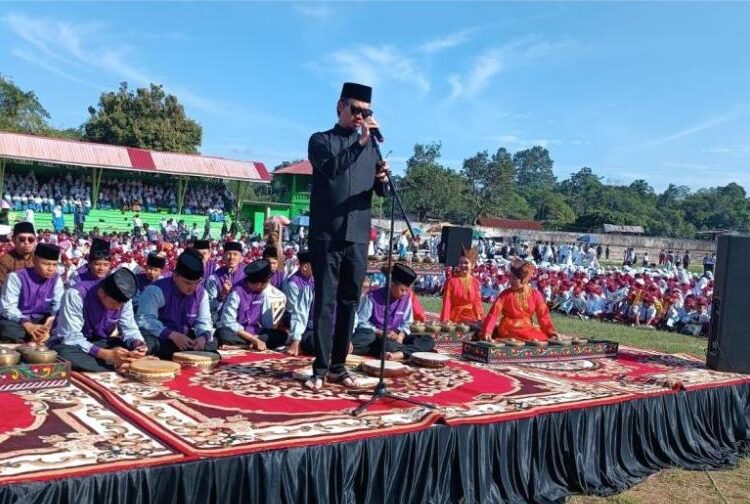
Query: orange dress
(462,301)
(515,314)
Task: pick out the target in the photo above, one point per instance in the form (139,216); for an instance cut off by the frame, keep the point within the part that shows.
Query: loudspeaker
(453,238)
(729,332)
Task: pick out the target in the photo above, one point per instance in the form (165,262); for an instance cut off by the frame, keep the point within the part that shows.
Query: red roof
(493,222)
(113,157)
(301,168)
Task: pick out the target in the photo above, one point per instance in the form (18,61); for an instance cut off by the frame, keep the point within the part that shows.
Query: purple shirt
(36,295)
(396,312)
(179,311)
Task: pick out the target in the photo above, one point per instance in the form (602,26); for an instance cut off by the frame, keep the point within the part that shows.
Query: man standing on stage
(346,171)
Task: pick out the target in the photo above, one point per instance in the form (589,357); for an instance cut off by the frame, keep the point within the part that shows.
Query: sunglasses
(355,110)
(26,239)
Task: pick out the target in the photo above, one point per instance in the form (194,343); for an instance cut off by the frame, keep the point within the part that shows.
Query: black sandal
(345,380)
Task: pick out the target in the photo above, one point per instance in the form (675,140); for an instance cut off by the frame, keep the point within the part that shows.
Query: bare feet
(394,356)
(314,383)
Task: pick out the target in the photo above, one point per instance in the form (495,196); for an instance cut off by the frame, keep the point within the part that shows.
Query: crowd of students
(69,191)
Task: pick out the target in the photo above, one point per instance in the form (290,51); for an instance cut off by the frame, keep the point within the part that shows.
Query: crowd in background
(68,192)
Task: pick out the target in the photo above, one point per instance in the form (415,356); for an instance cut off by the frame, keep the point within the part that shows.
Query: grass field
(672,486)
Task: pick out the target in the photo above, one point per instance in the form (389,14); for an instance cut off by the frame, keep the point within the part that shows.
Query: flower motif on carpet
(278,378)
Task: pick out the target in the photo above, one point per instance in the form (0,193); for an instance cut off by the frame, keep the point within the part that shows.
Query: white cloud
(494,61)
(704,125)
(316,11)
(510,140)
(375,65)
(447,42)
(84,48)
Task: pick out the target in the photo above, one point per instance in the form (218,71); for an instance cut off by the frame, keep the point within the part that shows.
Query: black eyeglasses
(26,239)
(356,110)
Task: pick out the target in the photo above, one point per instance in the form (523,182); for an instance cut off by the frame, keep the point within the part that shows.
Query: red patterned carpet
(255,401)
(67,431)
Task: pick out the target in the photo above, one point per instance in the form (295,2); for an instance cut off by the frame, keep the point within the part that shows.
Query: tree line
(522,185)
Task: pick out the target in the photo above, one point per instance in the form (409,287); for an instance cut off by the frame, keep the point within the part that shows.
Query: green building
(288,196)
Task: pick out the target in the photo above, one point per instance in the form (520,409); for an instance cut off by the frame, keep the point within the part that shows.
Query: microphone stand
(381,389)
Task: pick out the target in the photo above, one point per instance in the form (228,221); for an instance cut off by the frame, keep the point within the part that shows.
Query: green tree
(146,118)
(431,190)
(21,111)
(533,170)
(491,185)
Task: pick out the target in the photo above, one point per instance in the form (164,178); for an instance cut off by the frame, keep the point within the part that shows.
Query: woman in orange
(462,300)
(516,306)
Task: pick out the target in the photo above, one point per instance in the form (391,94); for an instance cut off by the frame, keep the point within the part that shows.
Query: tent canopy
(590,239)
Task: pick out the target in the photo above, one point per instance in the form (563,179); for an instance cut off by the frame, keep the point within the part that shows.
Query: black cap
(156,261)
(23,227)
(47,251)
(270,253)
(258,271)
(190,265)
(356,91)
(99,250)
(120,285)
(303,256)
(403,274)
(201,245)
(233,246)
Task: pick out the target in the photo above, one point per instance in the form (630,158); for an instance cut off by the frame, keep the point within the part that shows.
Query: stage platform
(247,431)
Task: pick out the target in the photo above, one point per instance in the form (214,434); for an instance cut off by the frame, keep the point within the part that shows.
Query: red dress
(462,301)
(516,316)
(417,308)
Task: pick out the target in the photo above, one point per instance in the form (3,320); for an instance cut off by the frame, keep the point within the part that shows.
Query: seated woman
(515,307)
(462,299)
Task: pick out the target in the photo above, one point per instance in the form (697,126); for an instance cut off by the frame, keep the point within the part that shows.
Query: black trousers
(164,348)
(339,269)
(366,343)
(273,338)
(82,361)
(12,332)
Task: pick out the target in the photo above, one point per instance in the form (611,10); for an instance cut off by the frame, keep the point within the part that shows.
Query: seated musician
(300,292)
(462,298)
(516,306)
(154,270)
(31,298)
(96,329)
(253,310)
(221,283)
(399,342)
(271,254)
(97,267)
(173,313)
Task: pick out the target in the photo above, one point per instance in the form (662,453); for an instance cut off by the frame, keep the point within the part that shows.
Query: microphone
(375,133)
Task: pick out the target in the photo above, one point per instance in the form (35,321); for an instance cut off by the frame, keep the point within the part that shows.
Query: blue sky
(659,91)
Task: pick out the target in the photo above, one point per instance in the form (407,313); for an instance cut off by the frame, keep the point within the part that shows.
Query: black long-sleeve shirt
(342,186)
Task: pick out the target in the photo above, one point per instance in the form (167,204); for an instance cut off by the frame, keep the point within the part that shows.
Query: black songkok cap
(233,246)
(403,274)
(258,271)
(270,252)
(23,227)
(201,245)
(303,256)
(120,285)
(99,250)
(47,251)
(357,92)
(156,261)
(190,265)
